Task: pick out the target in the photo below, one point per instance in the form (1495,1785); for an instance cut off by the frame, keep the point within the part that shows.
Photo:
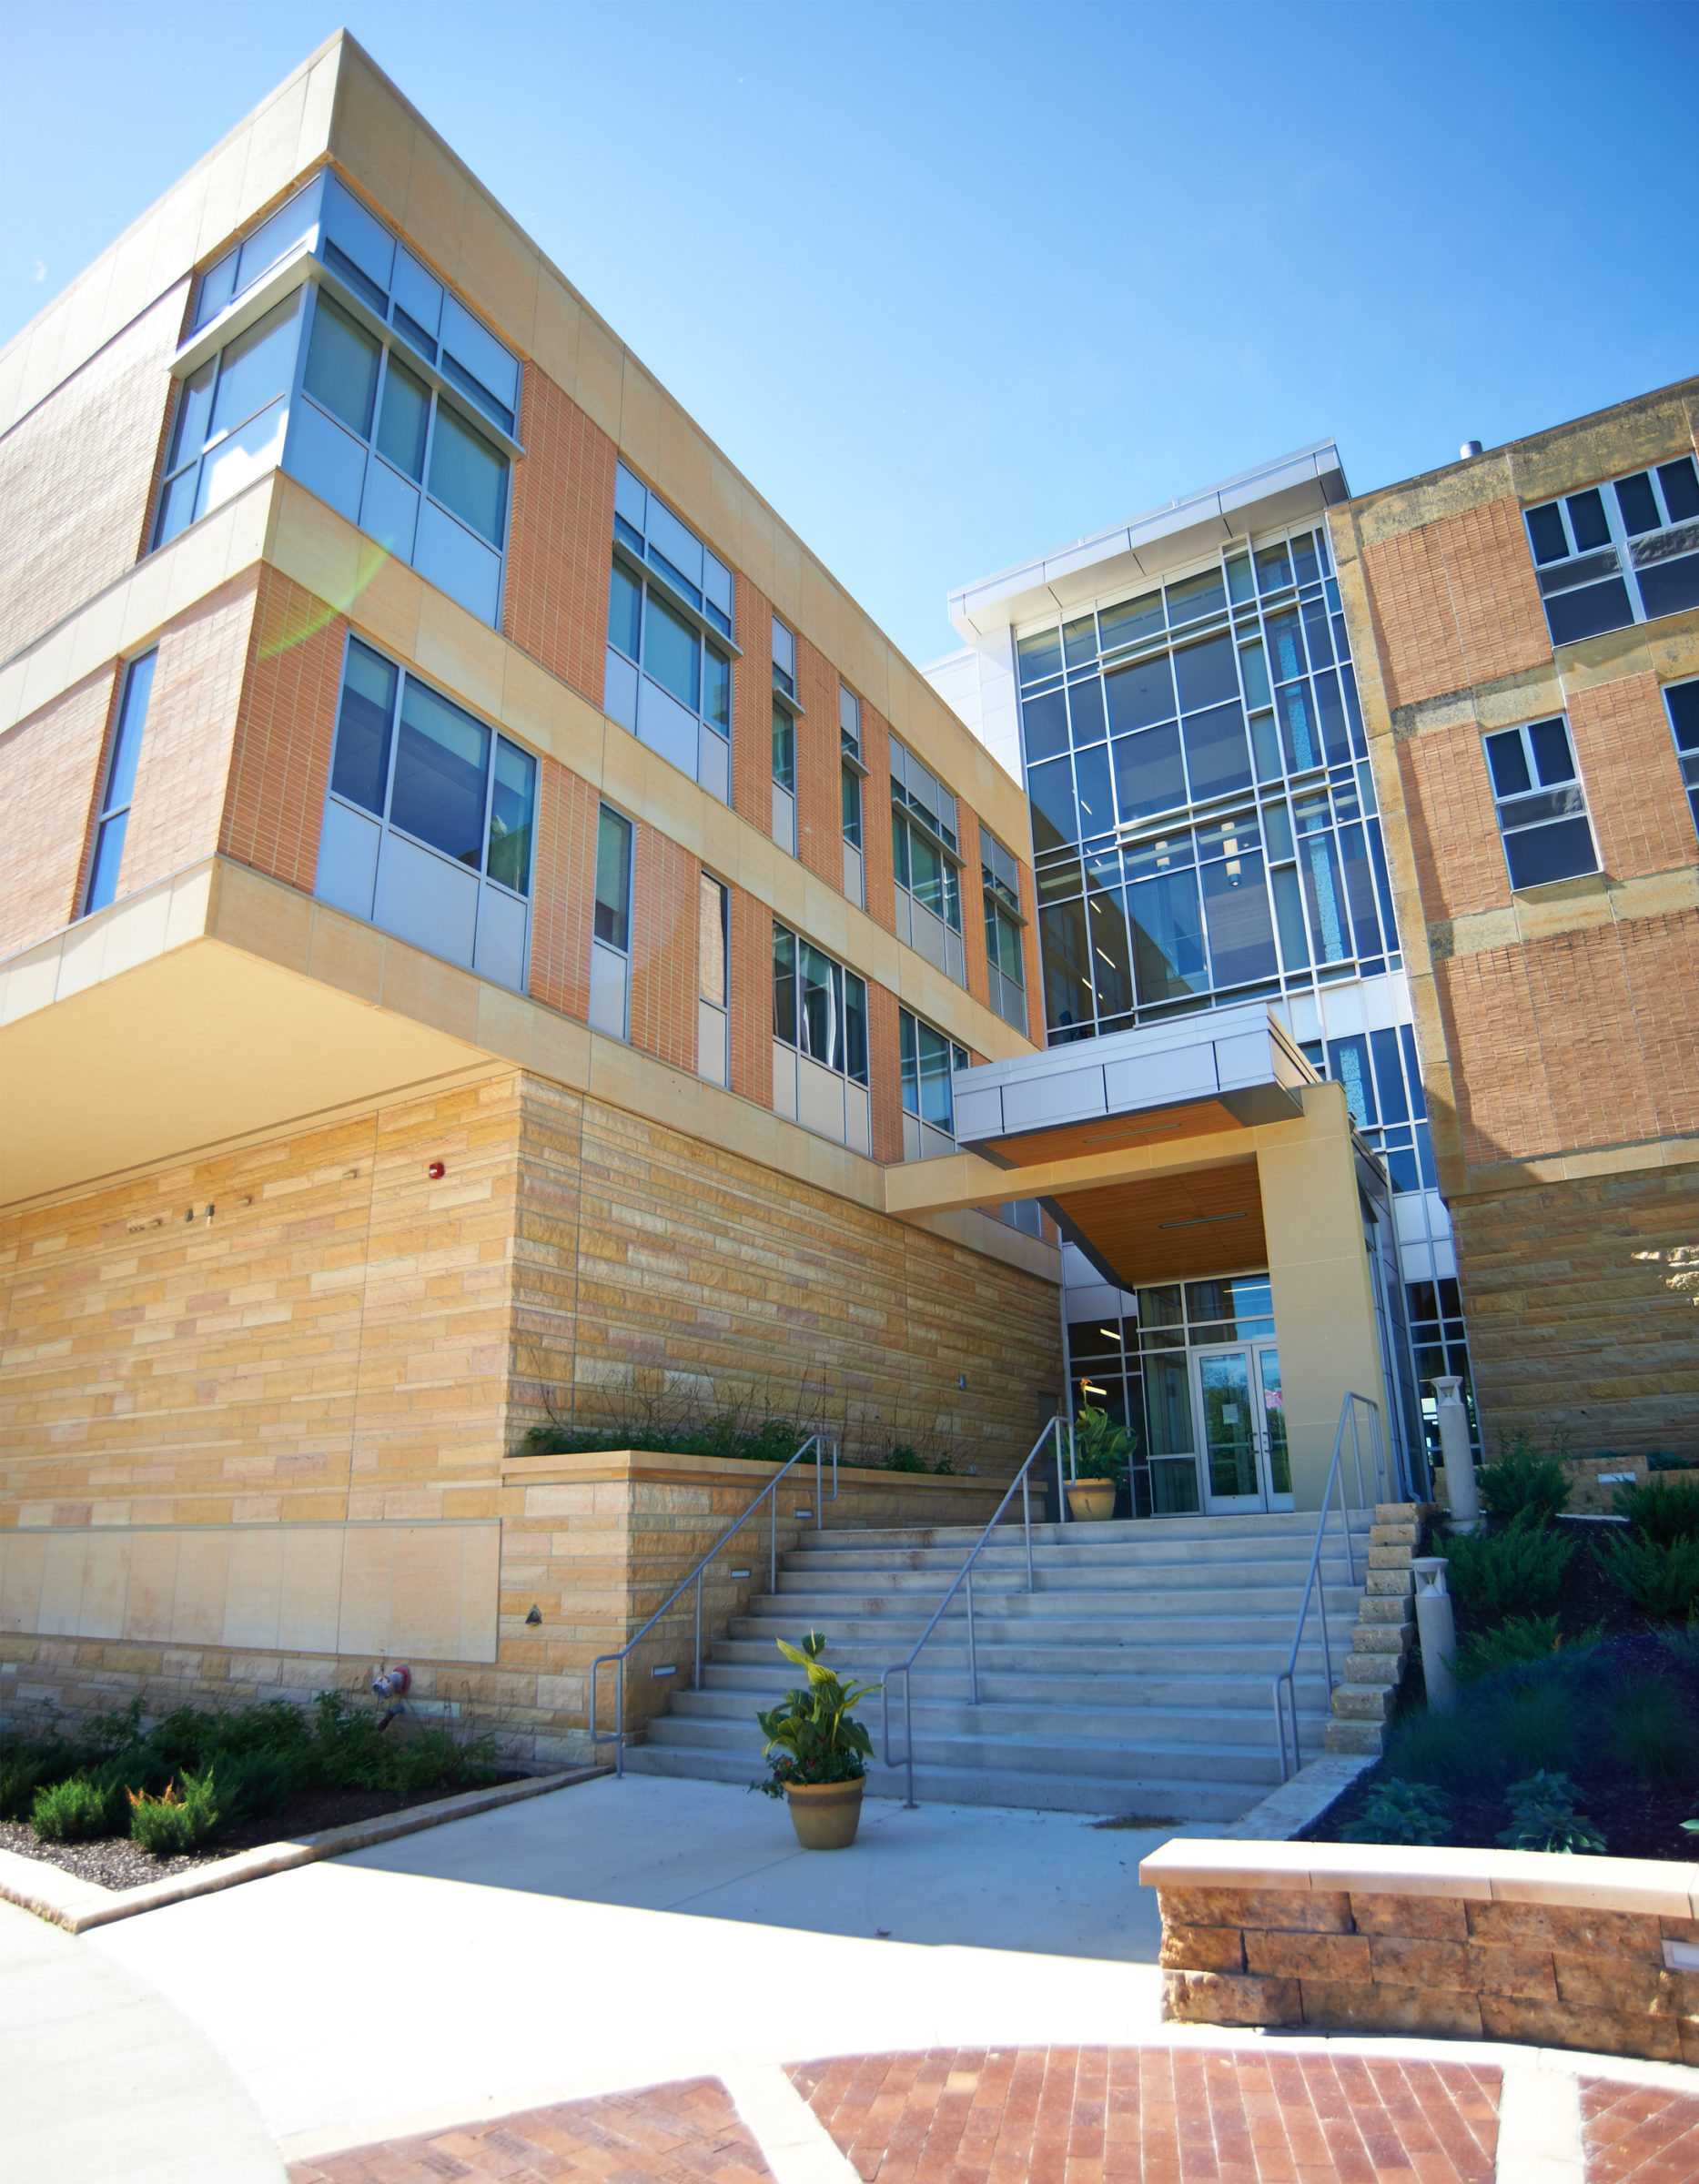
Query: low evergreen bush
(1650,1733)
(1440,1749)
(1516,1572)
(1508,1644)
(83,1808)
(252,1785)
(184,1815)
(1523,1482)
(1663,1509)
(1537,1725)
(1662,1581)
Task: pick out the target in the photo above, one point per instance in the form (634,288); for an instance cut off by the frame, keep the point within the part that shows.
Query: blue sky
(955,284)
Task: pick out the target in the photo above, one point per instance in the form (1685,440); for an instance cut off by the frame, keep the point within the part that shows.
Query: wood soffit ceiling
(1154,1126)
(1182,1228)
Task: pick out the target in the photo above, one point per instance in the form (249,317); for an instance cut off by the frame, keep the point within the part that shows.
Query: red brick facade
(52,766)
(560,538)
(285,729)
(1455,603)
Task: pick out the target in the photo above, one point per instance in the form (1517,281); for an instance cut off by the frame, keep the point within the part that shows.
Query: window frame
(604,810)
(1686,752)
(108,815)
(909,1027)
(1539,787)
(497,736)
(1620,544)
(841,1015)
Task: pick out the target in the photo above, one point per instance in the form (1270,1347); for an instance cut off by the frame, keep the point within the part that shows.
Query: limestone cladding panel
(1453,823)
(665,888)
(1584,1038)
(1578,1317)
(76,475)
(878,876)
(752,706)
(51,767)
(329,1343)
(973,905)
(751,1009)
(819,767)
(280,769)
(563,889)
(1635,791)
(560,537)
(701,1278)
(884,1070)
(182,774)
(1456,603)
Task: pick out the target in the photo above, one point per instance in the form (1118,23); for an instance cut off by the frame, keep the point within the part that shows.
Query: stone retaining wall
(1548,1950)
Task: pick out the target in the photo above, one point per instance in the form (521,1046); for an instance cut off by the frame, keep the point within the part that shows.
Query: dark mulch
(1635,1820)
(118,1863)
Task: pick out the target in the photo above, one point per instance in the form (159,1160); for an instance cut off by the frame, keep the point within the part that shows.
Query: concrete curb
(77,1906)
(1284,1812)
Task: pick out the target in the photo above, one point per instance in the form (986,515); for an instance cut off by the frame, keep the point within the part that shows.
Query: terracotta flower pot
(1092,1500)
(825,1814)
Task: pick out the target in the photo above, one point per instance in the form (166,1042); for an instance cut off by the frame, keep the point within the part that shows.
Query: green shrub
(1663,1509)
(1400,1811)
(1534,1725)
(1517,1572)
(1443,1749)
(774,1440)
(1509,1645)
(904,1459)
(1650,1733)
(1685,1647)
(252,1785)
(82,1808)
(1523,1482)
(432,1759)
(19,1781)
(348,1750)
(181,1818)
(1544,1816)
(1663,1581)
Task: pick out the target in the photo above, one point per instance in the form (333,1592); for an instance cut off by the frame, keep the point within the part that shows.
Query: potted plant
(818,1752)
(1101,1448)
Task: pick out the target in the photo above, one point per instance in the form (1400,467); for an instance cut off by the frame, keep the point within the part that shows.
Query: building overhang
(1142,1145)
(1286,490)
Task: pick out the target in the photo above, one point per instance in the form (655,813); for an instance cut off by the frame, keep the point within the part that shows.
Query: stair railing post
(909,1734)
(973,1658)
(1061,1484)
(619,1723)
(695,1674)
(1026,1510)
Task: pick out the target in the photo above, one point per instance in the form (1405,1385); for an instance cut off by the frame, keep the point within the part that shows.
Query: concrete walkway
(101,2078)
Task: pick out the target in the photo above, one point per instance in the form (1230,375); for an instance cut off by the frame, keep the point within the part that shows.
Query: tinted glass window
(1545,528)
(512,809)
(1588,612)
(1085,704)
(1054,819)
(1218,757)
(1197,596)
(404,415)
(1206,672)
(342,367)
(1045,721)
(1139,695)
(1097,802)
(1680,481)
(1040,655)
(362,762)
(1079,641)
(1167,937)
(1132,619)
(1273,569)
(672,652)
(1586,519)
(1148,776)
(625,608)
(257,367)
(1544,854)
(439,760)
(1638,503)
(467,473)
(1509,766)
(1552,755)
(1241,936)
(613,879)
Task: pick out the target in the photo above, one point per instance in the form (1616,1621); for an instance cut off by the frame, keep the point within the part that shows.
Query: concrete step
(946,1656)
(1237,1717)
(859,1620)
(757,1683)
(803,1593)
(1253,1530)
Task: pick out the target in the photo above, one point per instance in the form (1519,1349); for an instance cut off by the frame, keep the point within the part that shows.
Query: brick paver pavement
(1155,2116)
(682,2134)
(1152,2115)
(1639,2134)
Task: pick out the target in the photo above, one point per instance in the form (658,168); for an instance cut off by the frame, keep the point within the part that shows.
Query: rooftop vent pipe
(1468,450)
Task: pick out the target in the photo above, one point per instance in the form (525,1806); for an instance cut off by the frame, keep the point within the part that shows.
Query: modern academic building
(501,937)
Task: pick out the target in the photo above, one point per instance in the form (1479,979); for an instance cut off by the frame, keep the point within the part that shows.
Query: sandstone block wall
(1474,1945)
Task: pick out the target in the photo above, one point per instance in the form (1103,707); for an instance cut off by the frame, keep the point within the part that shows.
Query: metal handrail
(819,1443)
(1055,1431)
(1288,1675)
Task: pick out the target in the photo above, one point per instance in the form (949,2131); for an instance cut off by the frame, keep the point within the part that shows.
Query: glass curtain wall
(1204,820)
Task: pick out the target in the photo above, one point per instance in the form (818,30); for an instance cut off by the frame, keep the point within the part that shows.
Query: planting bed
(117,1862)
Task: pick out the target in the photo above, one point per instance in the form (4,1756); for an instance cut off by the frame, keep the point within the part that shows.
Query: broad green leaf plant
(1102,1449)
(811,1734)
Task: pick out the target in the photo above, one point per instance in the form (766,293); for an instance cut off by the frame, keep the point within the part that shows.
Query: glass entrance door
(1242,1427)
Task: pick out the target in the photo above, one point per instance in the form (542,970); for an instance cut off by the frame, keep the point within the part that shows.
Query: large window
(1204,819)
(1621,553)
(398,408)
(120,784)
(929,1062)
(819,1042)
(853,774)
(926,862)
(1439,1345)
(611,941)
(429,822)
(1683,699)
(1543,814)
(999,877)
(670,650)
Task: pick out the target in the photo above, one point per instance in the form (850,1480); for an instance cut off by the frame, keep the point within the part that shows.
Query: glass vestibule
(1193,1373)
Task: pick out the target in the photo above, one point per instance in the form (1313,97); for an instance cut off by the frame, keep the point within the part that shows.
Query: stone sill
(1650,1886)
(667,1468)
